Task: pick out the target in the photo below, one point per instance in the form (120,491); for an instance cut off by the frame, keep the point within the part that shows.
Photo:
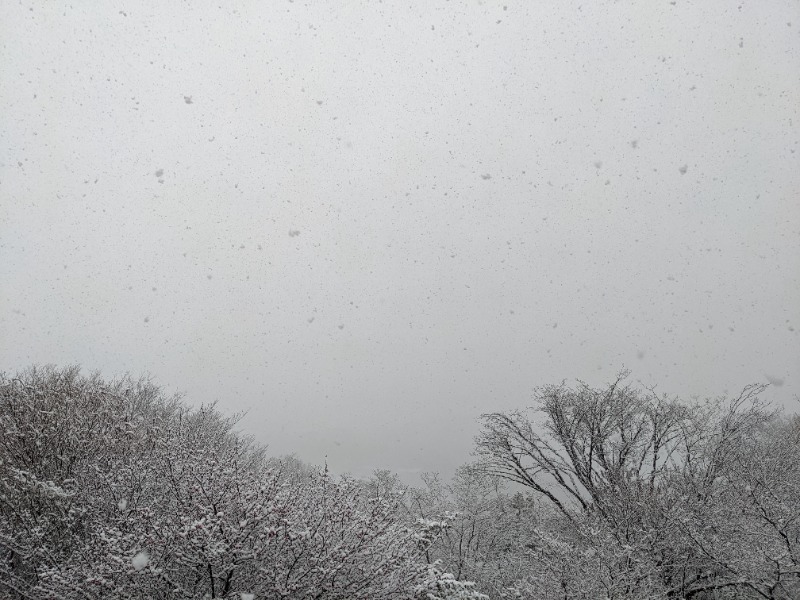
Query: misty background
(367,223)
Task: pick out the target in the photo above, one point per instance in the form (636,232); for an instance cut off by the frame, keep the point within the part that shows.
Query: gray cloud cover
(367,223)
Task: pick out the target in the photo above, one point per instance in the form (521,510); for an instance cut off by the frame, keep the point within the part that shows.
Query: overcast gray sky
(367,223)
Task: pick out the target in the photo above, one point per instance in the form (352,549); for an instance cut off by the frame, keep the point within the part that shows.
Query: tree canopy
(111,489)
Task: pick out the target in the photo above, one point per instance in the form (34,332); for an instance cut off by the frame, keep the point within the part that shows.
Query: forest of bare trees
(110,489)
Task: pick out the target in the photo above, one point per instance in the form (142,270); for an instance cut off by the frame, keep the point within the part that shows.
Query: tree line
(111,489)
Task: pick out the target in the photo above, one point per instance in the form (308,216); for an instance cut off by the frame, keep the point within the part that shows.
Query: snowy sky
(367,223)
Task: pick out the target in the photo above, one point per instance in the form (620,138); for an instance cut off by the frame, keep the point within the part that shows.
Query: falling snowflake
(140,561)
(776,381)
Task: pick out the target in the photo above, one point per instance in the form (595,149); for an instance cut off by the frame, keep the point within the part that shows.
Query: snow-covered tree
(111,490)
(487,529)
(657,497)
